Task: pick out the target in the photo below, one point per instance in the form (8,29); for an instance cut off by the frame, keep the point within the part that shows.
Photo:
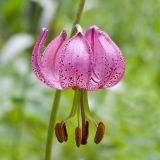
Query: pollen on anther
(99,133)
(78,136)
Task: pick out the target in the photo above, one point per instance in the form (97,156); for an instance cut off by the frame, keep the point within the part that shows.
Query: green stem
(52,120)
(77,16)
(48,152)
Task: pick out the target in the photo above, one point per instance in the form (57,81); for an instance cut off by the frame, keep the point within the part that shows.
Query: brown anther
(87,129)
(65,132)
(59,132)
(84,138)
(85,132)
(78,136)
(99,133)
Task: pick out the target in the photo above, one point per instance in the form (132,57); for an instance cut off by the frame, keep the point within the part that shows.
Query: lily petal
(117,59)
(36,55)
(39,64)
(51,59)
(108,63)
(101,61)
(76,63)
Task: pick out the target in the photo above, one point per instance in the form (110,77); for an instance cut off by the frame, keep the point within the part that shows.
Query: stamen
(87,129)
(87,110)
(84,137)
(80,104)
(99,133)
(59,132)
(74,107)
(78,115)
(78,136)
(65,132)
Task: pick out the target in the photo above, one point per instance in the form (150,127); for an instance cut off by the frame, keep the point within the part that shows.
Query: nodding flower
(86,62)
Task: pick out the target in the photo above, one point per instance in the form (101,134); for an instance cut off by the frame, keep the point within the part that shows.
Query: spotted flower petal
(108,62)
(76,63)
(89,61)
(46,68)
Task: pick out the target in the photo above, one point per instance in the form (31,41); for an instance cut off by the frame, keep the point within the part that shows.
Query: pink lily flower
(87,61)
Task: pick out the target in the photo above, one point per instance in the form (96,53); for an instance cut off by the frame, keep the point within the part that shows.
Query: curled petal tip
(64,33)
(43,35)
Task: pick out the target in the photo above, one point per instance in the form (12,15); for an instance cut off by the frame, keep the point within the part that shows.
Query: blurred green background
(131,109)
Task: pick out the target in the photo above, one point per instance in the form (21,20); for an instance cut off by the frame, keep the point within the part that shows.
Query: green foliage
(130,110)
